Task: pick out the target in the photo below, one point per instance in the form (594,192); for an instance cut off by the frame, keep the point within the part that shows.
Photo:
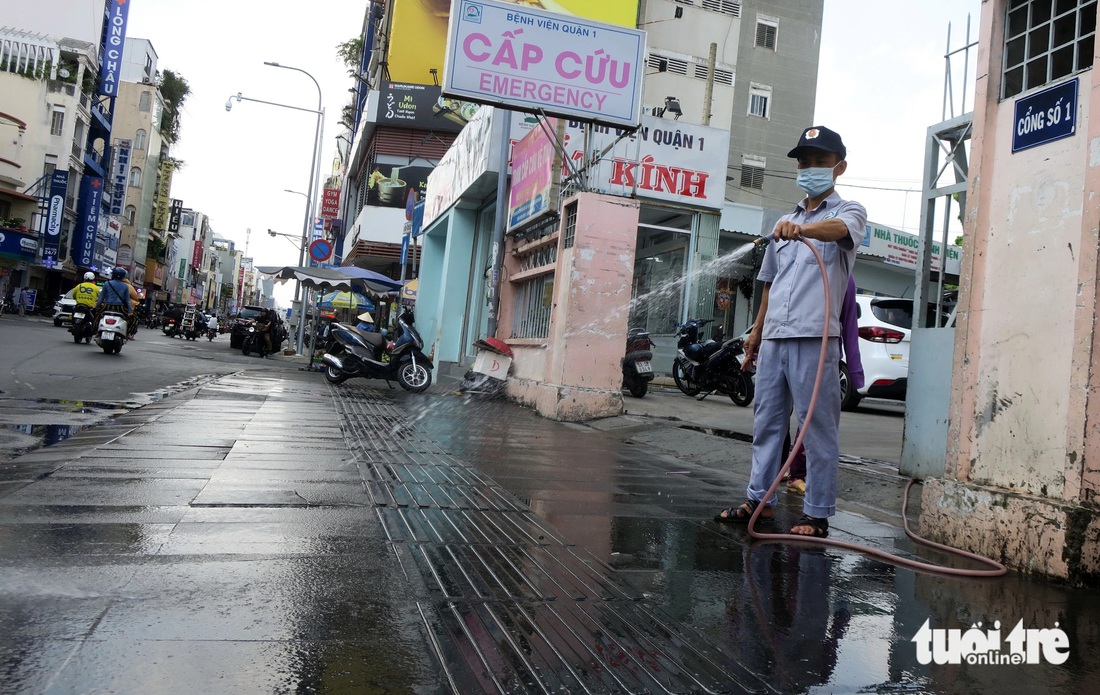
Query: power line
(789,177)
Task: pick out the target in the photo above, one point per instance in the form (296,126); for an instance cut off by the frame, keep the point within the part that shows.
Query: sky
(880,84)
(238,163)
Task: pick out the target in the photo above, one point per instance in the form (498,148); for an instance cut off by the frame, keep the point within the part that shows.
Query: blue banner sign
(91,197)
(418,218)
(111,67)
(1045,116)
(17,246)
(59,184)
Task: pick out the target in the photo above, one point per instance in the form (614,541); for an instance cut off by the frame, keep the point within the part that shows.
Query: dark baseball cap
(819,137)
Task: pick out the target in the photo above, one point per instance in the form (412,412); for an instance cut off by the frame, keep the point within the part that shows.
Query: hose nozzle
(761,241)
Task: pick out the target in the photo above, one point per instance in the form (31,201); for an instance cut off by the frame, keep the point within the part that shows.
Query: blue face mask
(815,180)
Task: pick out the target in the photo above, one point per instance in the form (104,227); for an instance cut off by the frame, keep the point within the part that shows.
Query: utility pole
(708,95)
(240,293)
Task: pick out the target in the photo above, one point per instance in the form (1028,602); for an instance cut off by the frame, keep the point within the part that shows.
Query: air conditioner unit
(146,80)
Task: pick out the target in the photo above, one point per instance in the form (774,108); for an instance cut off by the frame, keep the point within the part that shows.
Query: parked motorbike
(83,326)
(111,333)
(355,353)
(706,367)
(638,364)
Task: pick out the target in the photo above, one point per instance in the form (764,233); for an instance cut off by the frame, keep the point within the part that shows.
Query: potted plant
(16,223)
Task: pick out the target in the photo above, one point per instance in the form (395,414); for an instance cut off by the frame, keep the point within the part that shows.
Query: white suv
(885,325)
(63,309)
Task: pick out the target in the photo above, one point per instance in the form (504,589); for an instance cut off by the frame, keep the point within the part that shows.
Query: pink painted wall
(1025,343)
(1023,458)
(574,373)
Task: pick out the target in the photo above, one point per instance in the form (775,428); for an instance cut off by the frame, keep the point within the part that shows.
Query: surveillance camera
(229,105)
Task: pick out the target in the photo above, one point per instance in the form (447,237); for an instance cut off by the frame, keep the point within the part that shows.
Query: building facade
(1022,479)
(46,87)
(139,152)
(67,65)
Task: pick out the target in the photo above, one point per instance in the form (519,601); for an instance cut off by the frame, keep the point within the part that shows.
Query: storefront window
(659,278)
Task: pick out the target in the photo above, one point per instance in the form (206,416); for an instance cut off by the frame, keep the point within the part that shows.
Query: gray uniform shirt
(796,299)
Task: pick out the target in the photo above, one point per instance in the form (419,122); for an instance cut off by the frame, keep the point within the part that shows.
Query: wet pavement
(269,533)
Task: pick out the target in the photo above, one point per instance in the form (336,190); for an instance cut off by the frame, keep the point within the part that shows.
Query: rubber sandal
(820,527)
(740,515)
(796,486)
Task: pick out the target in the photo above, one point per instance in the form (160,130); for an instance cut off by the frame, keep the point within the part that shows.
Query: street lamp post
(312,171)
(299,296)
(313,175)
(312,192)
(292,237)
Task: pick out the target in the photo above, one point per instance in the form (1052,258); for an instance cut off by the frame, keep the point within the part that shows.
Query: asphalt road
(41,361)
(873,431)
(47,379)
(52,387)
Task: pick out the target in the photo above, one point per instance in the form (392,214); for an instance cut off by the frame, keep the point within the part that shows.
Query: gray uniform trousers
(785,374)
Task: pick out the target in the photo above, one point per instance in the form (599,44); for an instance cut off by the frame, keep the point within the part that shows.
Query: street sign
(1045,116)
(533,60)
(320,250)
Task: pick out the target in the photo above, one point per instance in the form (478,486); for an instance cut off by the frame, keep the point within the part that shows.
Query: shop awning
(328,280)
(18,246)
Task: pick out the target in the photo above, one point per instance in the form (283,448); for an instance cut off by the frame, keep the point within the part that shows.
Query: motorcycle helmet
(694,352)
(89,276)
(118,274)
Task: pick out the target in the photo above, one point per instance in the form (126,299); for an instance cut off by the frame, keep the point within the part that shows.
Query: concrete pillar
(574,374)
(444,276)
(1023,458)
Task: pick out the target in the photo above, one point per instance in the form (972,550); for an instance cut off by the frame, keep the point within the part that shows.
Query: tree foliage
(347,117)
(155,248)
(349,52)
(175,90)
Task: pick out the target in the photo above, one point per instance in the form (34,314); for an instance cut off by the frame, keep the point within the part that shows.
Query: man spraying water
(785,341)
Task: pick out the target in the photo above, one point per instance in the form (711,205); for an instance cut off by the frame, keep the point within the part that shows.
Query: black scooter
(83,327)
(638,363)
(172,328)
(355,353)
(706,367)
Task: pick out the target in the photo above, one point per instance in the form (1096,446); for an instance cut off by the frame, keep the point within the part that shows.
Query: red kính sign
(330,204)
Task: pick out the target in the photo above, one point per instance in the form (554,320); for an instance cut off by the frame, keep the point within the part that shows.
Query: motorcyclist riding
(115,296)
(265,323)
(87,292)
(135,300)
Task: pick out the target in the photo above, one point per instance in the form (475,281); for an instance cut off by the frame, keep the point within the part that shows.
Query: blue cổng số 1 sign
(1045,116)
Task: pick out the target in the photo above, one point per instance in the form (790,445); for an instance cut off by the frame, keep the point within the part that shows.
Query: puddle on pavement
(27,424)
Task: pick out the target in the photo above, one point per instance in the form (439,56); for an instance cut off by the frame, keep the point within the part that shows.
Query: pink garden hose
(997,570)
